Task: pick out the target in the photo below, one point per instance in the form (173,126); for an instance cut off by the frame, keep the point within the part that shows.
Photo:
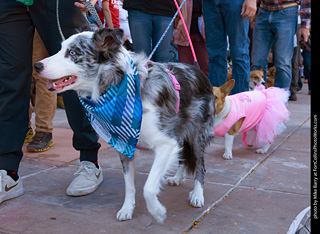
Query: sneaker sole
(12,195)
(31,149)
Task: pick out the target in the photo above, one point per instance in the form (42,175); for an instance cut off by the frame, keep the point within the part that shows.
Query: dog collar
(116,116)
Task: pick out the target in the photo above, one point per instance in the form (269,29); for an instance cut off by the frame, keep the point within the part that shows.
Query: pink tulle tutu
(273,118)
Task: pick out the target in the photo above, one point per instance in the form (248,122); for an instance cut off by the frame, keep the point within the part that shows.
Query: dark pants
(307,67)
(295,66)
(17,24)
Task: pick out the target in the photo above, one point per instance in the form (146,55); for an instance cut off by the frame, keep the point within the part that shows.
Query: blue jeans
(146,30)
(276,27)
(222,19)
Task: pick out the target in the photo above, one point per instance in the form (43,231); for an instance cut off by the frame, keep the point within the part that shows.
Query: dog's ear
(107,40)
(227,87)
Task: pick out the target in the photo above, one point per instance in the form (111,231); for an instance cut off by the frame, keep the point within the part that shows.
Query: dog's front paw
(125,213)
(159,213)
(196,198)
(227,156)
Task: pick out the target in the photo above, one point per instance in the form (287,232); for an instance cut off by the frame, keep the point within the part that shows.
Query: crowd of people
(30,31)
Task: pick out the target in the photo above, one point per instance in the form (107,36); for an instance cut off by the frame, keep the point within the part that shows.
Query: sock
(94,162)
(13,175)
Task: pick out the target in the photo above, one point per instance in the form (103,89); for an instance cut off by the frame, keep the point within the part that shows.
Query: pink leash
(187,33)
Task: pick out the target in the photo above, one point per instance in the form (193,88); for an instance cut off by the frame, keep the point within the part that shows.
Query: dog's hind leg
(179,176)
(196,195)
(165,155)
(129,202)
(264,149)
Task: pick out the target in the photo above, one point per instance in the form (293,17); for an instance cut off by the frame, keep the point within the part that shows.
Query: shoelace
(84,170)
(39,137)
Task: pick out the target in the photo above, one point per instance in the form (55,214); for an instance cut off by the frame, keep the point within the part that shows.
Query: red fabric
(114,9)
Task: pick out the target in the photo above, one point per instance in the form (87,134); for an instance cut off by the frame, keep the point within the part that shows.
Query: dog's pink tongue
(49,84)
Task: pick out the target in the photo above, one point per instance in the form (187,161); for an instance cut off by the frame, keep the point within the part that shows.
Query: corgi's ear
(261,70)
(227,87)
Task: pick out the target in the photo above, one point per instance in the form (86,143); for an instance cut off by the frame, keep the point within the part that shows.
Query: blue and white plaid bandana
(116,116)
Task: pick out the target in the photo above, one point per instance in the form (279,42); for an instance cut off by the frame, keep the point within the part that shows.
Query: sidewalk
(258,194)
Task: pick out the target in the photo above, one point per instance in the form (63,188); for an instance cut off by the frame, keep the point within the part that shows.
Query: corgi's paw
(261,151)
(227,156)
(264,149)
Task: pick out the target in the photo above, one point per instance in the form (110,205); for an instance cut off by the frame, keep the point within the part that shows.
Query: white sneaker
(88,178)
(8,187)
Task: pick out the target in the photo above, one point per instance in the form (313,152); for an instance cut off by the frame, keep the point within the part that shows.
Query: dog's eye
(72,53)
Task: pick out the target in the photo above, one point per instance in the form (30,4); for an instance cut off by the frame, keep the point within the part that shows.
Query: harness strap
(177,87)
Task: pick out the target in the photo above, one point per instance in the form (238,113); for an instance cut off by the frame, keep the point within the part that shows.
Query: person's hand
(304,34)
(82,7)
(249,9)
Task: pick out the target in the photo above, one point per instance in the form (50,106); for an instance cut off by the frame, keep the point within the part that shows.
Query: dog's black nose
(38,67)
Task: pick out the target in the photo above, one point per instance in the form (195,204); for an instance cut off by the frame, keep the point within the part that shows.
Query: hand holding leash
(89,6)
(304,34)
(82,6)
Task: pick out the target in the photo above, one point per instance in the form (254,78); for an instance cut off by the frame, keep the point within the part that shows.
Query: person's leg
(262,40)
(216,42)
(85,139)
(140,24)
(44,105)
(237,30)
(44,16)
(284,24)
(16,34)
(307,67)
(160,24)
(45,101)
(295,70)
(185,54)
(201,52)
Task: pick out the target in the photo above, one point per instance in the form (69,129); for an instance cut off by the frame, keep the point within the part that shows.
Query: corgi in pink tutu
(262,111)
